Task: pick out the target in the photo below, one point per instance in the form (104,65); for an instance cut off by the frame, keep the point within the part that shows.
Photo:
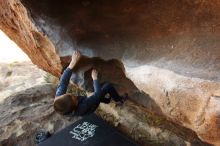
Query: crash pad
(89,131)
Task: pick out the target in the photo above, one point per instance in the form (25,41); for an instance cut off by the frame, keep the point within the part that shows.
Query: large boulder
(165,54)
(24,113)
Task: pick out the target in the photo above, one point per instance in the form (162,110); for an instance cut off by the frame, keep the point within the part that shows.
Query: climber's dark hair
(64,104)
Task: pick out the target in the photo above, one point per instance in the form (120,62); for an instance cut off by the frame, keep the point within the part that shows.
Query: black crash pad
(89,131)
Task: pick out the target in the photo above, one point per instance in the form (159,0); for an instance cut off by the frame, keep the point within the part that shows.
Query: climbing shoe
(124,98)
(41,136)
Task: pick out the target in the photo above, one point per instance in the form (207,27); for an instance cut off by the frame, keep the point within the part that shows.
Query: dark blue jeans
(90,104)
(107,88)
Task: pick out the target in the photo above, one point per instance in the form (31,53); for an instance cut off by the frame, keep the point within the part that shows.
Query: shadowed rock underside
(165,54)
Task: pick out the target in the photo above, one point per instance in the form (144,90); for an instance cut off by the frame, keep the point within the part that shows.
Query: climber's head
(65,104)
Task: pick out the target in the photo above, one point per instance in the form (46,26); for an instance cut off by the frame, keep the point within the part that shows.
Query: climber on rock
(68,104)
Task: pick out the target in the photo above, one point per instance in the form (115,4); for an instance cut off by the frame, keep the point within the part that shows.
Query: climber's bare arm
(75,58)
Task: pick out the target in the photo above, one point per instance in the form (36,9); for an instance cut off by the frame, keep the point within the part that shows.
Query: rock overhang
(168,49)
(179,36)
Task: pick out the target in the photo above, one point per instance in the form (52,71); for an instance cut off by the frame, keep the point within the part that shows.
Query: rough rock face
(165,53)
(16,23)
(16,76)
(26,112)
